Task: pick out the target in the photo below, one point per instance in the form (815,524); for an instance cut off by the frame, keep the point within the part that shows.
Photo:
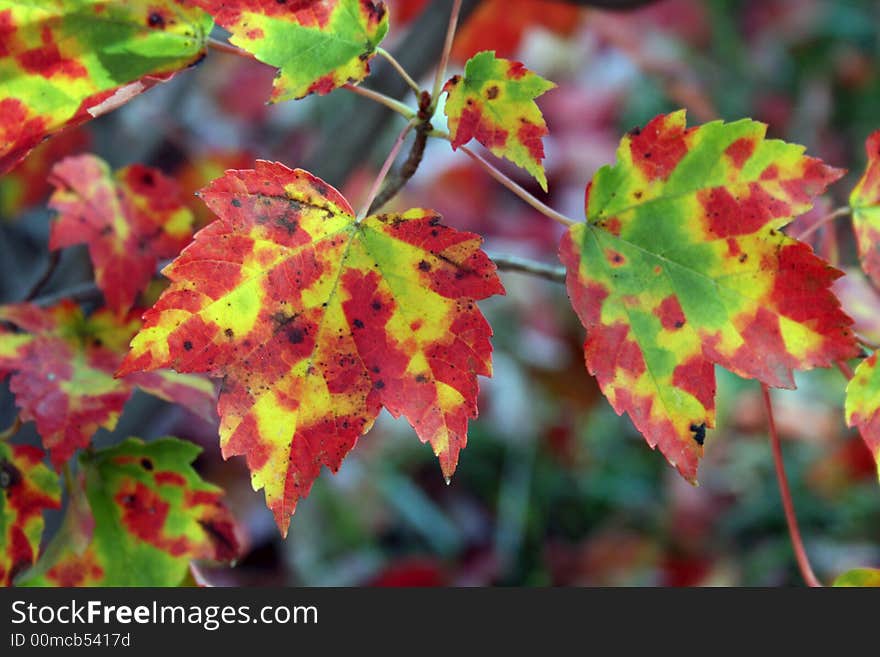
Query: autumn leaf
(500,25)
(494,103)
(862,405)
(129,220)
(865,204)
(681,265)
(64,62)
(27,488)
(145,516)
(861,577)
(62,365)
(27,184)
(318,45)
(315,321)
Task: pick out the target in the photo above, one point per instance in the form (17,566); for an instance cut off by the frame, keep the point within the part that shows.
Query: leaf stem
(502,178)
(223,46)
(391,59)
(444,58)
(11,430)
(386,167)
(866,343)
(845,369)
(51,266)
(525,266)
(785,492)
(382,99)
(68,479)
(828,218)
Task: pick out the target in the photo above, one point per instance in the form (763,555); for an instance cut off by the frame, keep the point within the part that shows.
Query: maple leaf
(861,577)
(64,62)
(865,204)
(146,514)
(27,488)
(62,365)
(494,104)
(129,220)
(318,45)
(862,406)
(681,265)
(316,321)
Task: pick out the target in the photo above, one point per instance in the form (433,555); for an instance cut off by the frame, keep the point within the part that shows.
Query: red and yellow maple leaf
(64,62)
(62,364)
(129,220)
(139,515)
(316,321)
(494,103)
(681,265)
(865,204)
(27,488)
(317,45)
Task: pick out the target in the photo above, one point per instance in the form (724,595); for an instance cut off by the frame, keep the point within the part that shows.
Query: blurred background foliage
(553,488)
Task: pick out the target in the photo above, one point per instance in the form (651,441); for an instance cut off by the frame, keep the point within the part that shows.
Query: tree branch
(533,268)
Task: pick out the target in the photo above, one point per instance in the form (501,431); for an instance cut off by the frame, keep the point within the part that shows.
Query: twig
(525,266)
(84,292)
(387,101)
(10,431)
(845,369)
(865,342)
(828,218)
(412,84)
(541,207)
(51,266)
(386,167)
(444,58)
(790,518)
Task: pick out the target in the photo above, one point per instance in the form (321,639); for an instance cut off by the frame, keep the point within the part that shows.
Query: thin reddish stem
(447,49)
(386,167)
(10,431)
(543,208)
(844,367)
(791,519)
(223,46)
(828,218)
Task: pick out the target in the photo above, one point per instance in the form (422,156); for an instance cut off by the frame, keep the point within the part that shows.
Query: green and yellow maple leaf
(681,265)
(27,488)
(139,516)
(862,406)
(129,220)
(861,577)
(317,45)
(64,62)
(316,321)
(62,365)
(494,103)
(864,202)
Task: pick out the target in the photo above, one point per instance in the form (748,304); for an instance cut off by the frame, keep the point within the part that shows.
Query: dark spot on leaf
(9,475)
(228,332)
(146,464)
(296,335)
(380,385)
(187,345)
(155,19)
(699,432)
(424,266)
(147,178)
(358,324)
(421,378)
(743,257)
(236,203)
(376,306)
(492,92)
